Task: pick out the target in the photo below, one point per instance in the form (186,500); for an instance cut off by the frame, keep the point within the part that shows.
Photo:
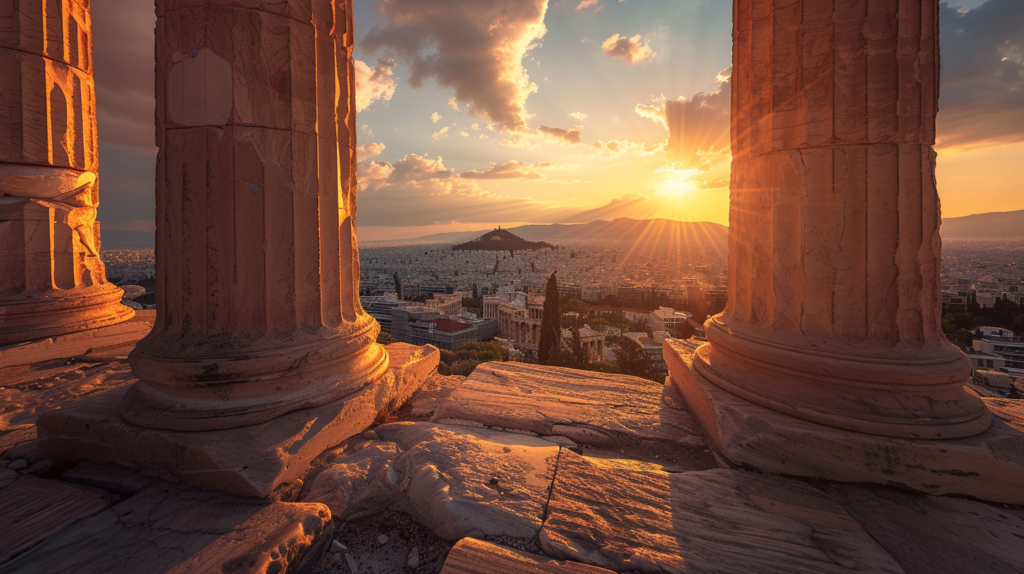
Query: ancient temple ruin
(259,422)
(53,282)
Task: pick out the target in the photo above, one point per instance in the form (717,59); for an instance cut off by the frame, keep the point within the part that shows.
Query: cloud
(436,117)
(578,116)
(587,4)
(419,191)
(123,60)
(374,83)
(508,170)
(982,97)
(439,135)
(573,136)
(475,47)
(454,103)
(620,147)
(631,50)
(722,183)
(366,151)
(696,127)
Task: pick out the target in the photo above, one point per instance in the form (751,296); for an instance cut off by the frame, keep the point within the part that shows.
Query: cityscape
(449,298)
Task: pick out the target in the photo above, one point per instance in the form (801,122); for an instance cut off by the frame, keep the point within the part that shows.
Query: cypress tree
(550,348)
(580,359)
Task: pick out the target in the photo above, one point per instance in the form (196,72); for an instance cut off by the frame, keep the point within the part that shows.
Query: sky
(477,113)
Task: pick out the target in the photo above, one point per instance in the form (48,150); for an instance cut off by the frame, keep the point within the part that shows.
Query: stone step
(616,412)
(629,516)
(32,509)
(176,530)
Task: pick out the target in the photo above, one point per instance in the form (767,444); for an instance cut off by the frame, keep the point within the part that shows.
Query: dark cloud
(127,189)
(475,47)
(124,62)
(982,96)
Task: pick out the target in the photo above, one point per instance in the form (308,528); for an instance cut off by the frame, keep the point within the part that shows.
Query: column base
(80,343)
(245,461)
(989,466)
(61,312)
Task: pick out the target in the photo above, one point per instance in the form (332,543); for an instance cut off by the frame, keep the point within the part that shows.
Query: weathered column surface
(52,281)
(834,289)
(257,280)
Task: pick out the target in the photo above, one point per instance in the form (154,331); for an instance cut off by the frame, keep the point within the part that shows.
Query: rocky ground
(518,468)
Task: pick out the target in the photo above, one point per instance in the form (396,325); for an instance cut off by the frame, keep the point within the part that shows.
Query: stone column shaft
(53,281)
(257,282)
(834,310)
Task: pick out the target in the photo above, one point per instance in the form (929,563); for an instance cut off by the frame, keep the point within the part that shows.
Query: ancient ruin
(259,428)
(53,282)
(258,318)
(834,309)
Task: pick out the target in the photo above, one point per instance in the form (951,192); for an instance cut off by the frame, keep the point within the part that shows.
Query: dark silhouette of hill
(999,224)
(502,240)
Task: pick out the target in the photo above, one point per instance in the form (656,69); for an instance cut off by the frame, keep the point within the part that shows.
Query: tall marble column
(52,280)
(258,312)
(834,289)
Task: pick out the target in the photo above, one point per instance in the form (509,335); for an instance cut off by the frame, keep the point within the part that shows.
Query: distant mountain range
(998,225)
(622,229)
(655,231)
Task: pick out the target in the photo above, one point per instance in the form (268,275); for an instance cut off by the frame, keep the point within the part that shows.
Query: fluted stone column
(258,267)
(52,280)
(834,289)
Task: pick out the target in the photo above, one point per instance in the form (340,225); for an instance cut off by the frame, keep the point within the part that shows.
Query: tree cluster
(466,359)
(1004,314)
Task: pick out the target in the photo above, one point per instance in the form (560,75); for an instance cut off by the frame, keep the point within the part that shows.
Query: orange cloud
(366,151)
(419,191)
(508,170)
(374,83)
(631,50)
(696,127)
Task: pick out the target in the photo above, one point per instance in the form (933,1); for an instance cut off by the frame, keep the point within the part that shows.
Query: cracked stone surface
(32,509)
(472,556)
(626,515)
(27,392)
(424,402)
(461,481)
(179,531)
(926,534)
(595,409)
(355,486)
(457,481)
